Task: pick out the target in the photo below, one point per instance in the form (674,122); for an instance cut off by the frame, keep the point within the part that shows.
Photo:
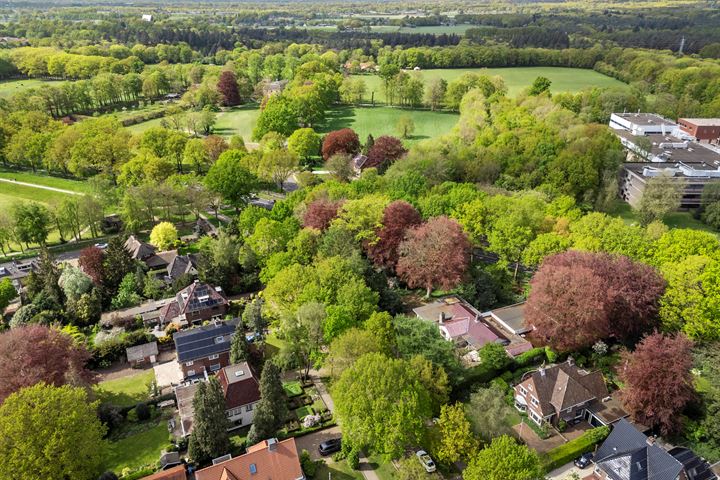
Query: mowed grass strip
(17,193)
(516,79)
(44,180)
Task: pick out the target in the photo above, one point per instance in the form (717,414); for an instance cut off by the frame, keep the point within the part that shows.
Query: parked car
(584,460)
(426,461)
(330,446)
(101,246)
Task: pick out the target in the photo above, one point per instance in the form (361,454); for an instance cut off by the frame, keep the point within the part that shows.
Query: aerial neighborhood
(360,240)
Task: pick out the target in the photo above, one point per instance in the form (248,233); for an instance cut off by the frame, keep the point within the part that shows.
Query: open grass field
(10,87)
(137,450)
(237,121)
(45,180)
(672,220)
(126,391)
(382,121)
(516,78)
(433,30)
(142,126)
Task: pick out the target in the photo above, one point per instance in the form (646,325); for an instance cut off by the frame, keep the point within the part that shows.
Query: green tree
(540,85)
(304,335)
(304,143)
(50,432)
(209,438)
(405,126)
(348,347)
(239,348)
(164,235)
(493,355)
(661,196)
(32,222)
(504,458)
(230,179)
(127,295)
(381,405)
(456,439)
(253,318)
(7,293)
(271,410)
(409,468)
(277,165)
(488,413)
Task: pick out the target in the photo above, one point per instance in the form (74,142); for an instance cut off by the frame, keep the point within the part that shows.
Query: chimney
(272,444)
(651,440)
(477,317)
(570,361)
(441,318)
(542,370)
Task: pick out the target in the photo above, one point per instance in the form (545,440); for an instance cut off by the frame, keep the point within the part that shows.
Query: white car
(426,461)
(101,246)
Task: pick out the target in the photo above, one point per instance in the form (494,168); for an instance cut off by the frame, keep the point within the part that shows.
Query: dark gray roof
(141,352)
(182,264)
(695,467)
(203,341)
(513,316)
(627,455)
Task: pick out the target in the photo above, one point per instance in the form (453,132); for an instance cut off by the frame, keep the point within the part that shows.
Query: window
(215,367)
(189,364)
(249,408)
(523,392)
(190,373)
(214,357)
(219,339)
(534,401)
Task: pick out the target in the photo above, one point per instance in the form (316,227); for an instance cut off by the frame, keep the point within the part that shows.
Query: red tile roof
(279,463)
(175,473)
(240,389)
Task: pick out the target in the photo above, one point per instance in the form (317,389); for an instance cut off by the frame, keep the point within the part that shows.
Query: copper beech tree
(40,354)
(340,141)
(320,213)
(398,217)
(384,151)
(577,298)
(434,254)
(658,381)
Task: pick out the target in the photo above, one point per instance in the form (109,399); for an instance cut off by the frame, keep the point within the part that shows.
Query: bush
(307,464)
(551,355)
(574,448)
(142,411)
(532,356)
(353,458)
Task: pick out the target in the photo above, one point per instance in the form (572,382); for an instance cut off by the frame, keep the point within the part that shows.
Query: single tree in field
(320,213)
(503,459)
(91,262)
(271,411)
(228,88)
(661,196)
(577,298)
(658,383)
(50,432)
(398,217)
(343,141)
(456,440)
(209,438)
(41,354)
(405,126)
(384,152)
(540,85)
(435,254)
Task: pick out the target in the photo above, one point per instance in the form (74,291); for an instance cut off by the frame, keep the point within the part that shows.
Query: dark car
(583,461)
(330,446)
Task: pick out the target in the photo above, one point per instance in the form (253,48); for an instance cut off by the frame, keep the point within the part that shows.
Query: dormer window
(219,339)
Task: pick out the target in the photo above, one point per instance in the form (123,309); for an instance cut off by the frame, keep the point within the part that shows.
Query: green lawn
(516,78)
(142,126)
(273,344)
(126,391)
(383,469)
(237,121)
(139,450)
(292,389)
(672,220)
(10,87)
(22,192)
(303,412)
(45,180)
(382,121)
(336,471)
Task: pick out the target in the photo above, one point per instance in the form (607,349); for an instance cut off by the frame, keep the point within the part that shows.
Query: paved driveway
(565,471)
(311,441)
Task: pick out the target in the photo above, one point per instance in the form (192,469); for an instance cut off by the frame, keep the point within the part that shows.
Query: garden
(308,412)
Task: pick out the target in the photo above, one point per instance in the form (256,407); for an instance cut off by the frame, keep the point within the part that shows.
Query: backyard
(138,449)
(126,391)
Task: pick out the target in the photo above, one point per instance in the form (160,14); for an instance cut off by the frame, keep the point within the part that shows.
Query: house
(700,129)
(146,253)
(275,87)
(194,304)
(175,473)
(169,460)
(627,454)
(511,318)
(695,468)
(181,265)
(111,224)
(267,460)
(240,388)
(204,349)
(147,17)
(463,324)
(141,354)
(566,392)
(358,163)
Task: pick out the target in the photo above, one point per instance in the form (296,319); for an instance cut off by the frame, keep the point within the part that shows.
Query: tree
(405,126)
(344,141)
(435,93)
(196,155)
(164,235)
(231,180)
(74,282)
(304,335)
(540,85)
(398,217)
(228,87)
(578,298)
(504,458)
(384,152)
(340,167)
(117,263)
(277,165)
(304,143)
(127,294)
(40,354)
(348,347)
(661,196)
(658,383)
(32,222)
(320,213)
(271,411)
(215,145)
(279,115)
(7,293)
(409,468)
(435,254)
(209,438)
(456,440)
(488,413)
(381,405)
(417,337)
(37,441)
(239,348)
(494,356)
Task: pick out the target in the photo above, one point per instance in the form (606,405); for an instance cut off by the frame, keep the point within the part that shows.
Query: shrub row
(565,453)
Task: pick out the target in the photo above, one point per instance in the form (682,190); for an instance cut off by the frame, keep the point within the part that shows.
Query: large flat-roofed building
(701,129)
(658,148)
(642,123)
(635,176)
